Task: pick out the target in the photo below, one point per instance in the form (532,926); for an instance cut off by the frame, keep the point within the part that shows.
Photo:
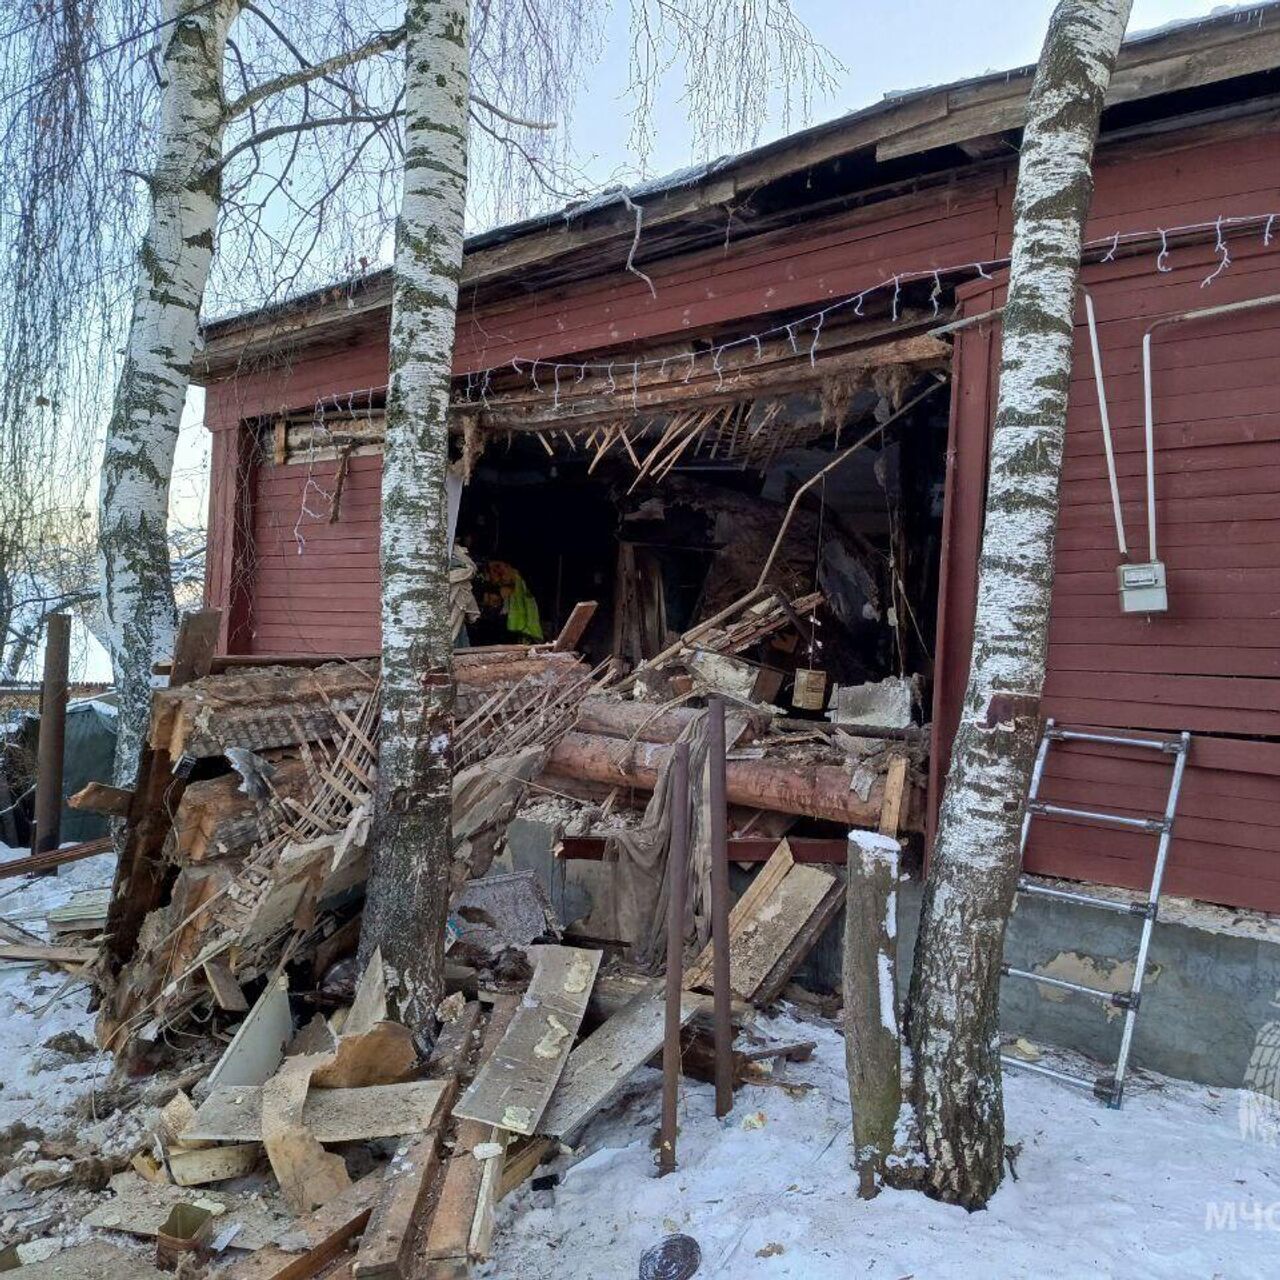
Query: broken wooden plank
(234,1113)
(369,1005)
(467,1193)
(456,1040)
(226,990)
(578,621)
(384,1054)
(757,894)
(99,797)
(196,1167)
(387,1243)
(805,939)
(257,1047)
(895,784)
(599,1067)
(86,913)
(324,1235)
(194,648)
(512,1089)
(309,1176)
(765,925)
(46,953)
(522,1161)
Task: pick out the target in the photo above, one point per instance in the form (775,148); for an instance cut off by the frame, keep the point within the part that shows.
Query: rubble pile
(303,1128)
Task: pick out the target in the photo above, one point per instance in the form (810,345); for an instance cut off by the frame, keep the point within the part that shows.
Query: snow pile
(37,1085)
(1151,1190)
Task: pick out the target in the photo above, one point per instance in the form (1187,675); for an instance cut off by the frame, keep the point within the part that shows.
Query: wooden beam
(895,784)
(816,791)
(99,797)
(807,849)
(578,621)
(468,1194)
(387,1244)
(55,858)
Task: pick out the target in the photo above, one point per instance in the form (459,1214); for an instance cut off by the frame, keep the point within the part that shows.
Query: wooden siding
(1211,664)
(315,582)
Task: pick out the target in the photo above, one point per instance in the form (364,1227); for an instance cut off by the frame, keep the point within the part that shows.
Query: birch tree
(954,1001)
(173,267)
(116,101)
(522,52)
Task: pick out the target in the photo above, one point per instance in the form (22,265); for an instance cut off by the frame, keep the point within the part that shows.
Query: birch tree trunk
(173,267)
(408,889)
(953,1027)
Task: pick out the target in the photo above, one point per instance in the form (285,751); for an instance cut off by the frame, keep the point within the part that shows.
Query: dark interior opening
(663,555)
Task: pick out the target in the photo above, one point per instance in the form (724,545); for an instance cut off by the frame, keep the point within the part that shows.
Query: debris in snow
(676,1258)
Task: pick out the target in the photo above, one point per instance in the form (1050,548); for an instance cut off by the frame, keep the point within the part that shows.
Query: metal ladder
(1110,1089)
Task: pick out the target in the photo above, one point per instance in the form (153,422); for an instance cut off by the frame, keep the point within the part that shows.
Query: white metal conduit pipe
(1148,396)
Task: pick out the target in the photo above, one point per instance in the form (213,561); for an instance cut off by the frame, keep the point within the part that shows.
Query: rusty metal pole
(676,862)
(53,734)
(718,821)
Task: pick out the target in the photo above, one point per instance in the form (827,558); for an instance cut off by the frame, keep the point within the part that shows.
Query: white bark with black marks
(173,267)
(408,888)
(953,1027)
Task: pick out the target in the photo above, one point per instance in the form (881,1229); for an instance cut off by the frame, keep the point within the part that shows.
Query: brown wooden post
(676,861)
(720,909)
(871,1040)
(53,734)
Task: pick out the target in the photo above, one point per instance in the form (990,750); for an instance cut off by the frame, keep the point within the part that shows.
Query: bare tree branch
(509,118)
(298,126)
(381,43)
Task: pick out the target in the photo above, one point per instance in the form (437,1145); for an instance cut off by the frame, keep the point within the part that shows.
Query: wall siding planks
(1210,665)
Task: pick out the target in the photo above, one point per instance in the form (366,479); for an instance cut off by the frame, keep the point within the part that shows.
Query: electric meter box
(1142,588)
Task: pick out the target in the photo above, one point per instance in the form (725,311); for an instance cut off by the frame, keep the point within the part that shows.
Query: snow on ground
(1167,1187)
(1147,1191)
(38,1086)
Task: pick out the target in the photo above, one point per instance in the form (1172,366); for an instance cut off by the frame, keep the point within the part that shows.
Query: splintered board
(599,1067)
(778,908)
(233,1113)
(461,1228)
(513,1088)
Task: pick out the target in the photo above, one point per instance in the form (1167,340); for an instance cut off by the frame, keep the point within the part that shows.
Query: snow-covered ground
(1148,1191)
(38,1085)
(1167,1187)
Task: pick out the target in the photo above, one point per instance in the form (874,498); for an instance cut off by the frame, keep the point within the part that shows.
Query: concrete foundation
(1212,984)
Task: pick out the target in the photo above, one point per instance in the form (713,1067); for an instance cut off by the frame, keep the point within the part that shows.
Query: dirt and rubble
(249,1109)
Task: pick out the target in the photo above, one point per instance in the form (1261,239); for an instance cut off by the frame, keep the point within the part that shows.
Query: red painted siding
(1210,665)
(315,581)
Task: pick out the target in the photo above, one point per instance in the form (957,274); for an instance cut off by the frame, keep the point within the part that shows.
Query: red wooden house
(567,361)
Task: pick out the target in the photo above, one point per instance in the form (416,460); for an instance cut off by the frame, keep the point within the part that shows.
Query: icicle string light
(1104,248)
(1224,257)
